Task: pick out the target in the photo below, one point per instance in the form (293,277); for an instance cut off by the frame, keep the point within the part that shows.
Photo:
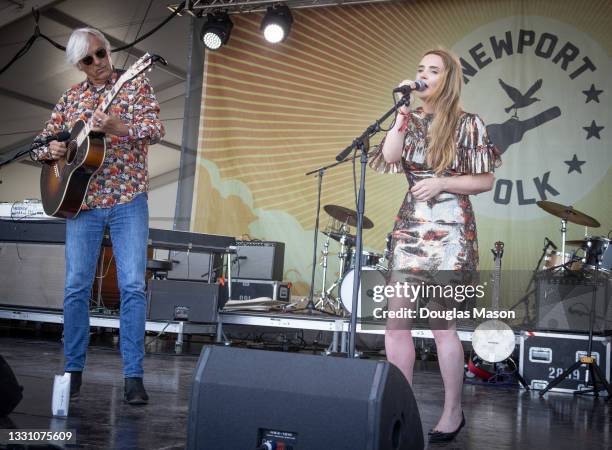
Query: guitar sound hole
(71,152)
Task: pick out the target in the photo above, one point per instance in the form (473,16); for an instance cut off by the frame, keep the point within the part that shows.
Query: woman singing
(446,155)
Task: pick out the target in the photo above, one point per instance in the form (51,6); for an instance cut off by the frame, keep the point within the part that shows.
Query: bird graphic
(520,100)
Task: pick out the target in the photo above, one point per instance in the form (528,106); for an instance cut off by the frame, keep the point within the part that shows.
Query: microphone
(60,137)
(551,243)
(407,89)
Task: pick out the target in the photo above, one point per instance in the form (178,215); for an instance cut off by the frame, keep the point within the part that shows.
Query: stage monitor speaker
(255,399)
(259,260)
(11,392)
(564,303)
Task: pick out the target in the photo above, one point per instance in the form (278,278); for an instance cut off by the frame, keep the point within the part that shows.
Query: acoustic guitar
(64,182)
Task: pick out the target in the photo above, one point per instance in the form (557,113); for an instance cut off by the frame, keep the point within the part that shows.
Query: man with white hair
(116,198)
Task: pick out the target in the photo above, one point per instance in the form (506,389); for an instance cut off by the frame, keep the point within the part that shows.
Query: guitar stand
(499,377)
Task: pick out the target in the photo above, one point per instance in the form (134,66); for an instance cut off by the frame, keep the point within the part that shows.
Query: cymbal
(349,238)
(568,213)
(346,215)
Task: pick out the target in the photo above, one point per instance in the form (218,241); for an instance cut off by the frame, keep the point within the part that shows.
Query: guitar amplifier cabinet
(32,275)
(544,356)
(564,303)
(259,260)
(251,289)
(188,301)
(194,266)
(40,231)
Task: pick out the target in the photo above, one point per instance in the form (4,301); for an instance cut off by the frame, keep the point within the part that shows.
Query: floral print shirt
(124,173)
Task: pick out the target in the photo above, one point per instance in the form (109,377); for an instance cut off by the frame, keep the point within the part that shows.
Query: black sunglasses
(100,53)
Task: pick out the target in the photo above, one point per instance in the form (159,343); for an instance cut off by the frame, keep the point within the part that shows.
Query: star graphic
(592,94)
(592,130)
(574,164)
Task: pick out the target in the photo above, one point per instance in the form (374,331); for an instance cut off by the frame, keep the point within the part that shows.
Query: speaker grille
(564,303)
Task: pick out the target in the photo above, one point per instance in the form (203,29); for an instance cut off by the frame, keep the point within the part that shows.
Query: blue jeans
(129,229)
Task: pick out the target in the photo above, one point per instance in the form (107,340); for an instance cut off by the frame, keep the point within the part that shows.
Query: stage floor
(497,418)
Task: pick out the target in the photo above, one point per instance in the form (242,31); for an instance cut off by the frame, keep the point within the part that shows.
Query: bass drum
(370,278)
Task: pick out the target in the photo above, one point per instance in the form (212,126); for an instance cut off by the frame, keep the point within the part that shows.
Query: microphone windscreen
(63,136)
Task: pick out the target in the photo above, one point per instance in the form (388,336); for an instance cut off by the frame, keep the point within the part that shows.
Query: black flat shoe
(440,436)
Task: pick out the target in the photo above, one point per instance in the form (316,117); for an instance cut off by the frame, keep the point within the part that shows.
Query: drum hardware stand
(342,256)
(525,298)
(593,370)
(563,235)
(362,143)
(326,298)
(324,264)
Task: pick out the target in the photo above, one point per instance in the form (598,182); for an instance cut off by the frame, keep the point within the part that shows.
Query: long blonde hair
(445,102)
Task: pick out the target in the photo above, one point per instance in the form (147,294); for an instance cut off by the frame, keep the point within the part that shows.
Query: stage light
(276,23)
(216,31)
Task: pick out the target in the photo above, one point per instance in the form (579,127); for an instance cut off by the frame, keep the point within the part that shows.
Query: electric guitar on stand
(64,183)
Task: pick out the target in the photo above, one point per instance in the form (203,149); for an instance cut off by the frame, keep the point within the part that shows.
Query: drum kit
(339,229)
(591,253)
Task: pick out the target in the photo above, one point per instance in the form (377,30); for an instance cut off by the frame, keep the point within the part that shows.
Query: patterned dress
(439,234)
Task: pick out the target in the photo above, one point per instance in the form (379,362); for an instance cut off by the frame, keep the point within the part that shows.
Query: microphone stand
(362,143)
(310,306)
(525,298)
(17,156)
(22,153)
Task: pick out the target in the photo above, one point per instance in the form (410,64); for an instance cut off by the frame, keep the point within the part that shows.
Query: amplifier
(564,303)
(194,266)
(188,301)
(43,231)
(544,356)
(243,289)
(259,260)
(32,275)
(29,209)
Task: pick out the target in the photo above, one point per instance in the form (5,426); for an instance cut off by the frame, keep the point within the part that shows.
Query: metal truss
(200,7)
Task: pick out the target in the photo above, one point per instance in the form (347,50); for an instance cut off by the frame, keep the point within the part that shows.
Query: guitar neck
(104,105)
(496,283)
(110,96)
